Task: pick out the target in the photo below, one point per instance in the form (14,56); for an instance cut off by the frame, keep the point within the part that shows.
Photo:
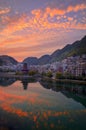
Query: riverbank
(13,75)
(65,80)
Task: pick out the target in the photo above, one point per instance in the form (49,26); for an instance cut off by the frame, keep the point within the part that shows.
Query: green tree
(43,74)
(58,75)
(49,74)
(18,73)
(32,72)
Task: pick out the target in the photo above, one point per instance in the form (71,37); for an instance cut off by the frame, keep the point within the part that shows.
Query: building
(25,68)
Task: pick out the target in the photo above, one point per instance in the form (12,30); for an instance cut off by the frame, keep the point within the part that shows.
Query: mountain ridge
(6,60)
(74,49)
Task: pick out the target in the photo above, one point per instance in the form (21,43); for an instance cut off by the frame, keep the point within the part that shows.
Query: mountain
(31,60)
(44,59)
(35,61)
(6,60)
(77,48)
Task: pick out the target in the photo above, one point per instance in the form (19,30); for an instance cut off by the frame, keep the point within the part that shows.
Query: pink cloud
(4,11)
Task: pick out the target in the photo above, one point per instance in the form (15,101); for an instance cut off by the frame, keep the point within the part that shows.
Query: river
(39,105)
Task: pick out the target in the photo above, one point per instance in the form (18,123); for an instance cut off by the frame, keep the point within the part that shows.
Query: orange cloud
(40,17)
(37,13)
(48,11)
(53,12)
(39,20)
(70,18)
(4,11)
(76,8)
(33,30)
(15,24)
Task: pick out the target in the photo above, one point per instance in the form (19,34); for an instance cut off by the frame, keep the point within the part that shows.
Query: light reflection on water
(26,105)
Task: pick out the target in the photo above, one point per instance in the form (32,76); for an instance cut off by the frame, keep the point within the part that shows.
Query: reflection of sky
(39,105)
(40,24)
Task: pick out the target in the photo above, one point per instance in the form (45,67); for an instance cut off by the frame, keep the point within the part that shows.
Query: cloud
(43,18)
(41,27)
(76,8)
(4,11)
(15,25)
(49,11)
(70,18)
(40,19)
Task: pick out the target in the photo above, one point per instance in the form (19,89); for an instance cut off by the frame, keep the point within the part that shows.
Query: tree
(32,72)
(49,74)
(43,74)
(58,75)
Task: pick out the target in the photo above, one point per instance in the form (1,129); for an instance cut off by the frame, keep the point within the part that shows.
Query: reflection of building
(25,83)
(25,68)
(6,82)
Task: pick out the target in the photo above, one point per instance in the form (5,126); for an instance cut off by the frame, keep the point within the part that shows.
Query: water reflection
(56,86)
(5,128)
(4,82)
(69,90)
(25,82)
(38,108)
(7,81)
(69,87)
(77,92)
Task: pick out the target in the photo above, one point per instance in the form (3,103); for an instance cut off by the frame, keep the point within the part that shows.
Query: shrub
(49,74)
(32,72)
(43,74)
(18,73)
(59,75)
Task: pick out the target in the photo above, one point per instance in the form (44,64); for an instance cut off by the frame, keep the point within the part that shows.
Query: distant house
(60,69)
(25,68)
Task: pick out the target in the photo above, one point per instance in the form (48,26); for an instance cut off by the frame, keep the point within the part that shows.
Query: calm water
(32,105)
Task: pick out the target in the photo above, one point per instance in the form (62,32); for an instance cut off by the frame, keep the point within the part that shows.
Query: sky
(30,28)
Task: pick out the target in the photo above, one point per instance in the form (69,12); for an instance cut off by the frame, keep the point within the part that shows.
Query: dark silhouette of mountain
(77,48)
(31,60)
(7,81)
(44,59)
(6,60)
(35,61)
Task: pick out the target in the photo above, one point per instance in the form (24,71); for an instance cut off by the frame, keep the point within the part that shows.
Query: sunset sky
(38,27)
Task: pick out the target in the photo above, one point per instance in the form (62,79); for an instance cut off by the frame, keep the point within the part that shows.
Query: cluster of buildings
(75,66)
(7,68)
